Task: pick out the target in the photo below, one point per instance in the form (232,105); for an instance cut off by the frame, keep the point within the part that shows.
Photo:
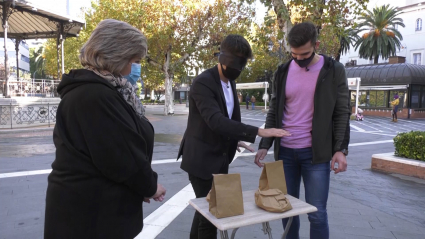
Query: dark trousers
(201,227)
(247,105)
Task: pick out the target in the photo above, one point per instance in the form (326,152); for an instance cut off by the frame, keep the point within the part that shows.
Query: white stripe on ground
(370,132)
(158,220)
(25,173)
(357,128)
(369,143)
(253,119)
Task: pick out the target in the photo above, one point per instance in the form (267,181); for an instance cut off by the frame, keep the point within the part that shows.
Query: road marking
(159,219)
(253,119)
(370,132)
(357,128)
(369,143)
(369,126)
(25,173)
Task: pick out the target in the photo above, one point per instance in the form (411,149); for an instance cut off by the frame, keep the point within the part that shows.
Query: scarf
(125,88)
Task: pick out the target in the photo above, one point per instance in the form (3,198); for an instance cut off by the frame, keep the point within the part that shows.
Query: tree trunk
(338,56)
(284,21)
(375,60)
(168,85)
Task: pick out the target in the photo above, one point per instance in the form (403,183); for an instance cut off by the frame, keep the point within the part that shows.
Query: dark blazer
(331,118)
(210,141)
(102,170)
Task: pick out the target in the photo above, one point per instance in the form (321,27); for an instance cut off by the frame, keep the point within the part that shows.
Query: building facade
(23,55)
(412,45)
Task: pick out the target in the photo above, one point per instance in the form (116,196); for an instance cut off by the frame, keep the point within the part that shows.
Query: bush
(410,145)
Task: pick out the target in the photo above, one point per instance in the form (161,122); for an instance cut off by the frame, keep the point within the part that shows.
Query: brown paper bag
(225,197)
(273,177)
(272,200)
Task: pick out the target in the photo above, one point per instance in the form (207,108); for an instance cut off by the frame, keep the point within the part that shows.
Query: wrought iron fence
(25,88)
(14,116)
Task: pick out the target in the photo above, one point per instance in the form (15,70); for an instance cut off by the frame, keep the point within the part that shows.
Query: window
(418,26)
(417,57)
(25,59)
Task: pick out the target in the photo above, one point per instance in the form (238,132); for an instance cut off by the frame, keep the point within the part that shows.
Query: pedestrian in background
(253,102)
(394,105)
(102,171)
(247,99)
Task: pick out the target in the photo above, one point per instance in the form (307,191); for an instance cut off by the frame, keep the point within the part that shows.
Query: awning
(388,74)
(27,21)
(381,87)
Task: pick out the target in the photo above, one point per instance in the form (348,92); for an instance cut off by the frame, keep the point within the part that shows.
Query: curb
(389,163)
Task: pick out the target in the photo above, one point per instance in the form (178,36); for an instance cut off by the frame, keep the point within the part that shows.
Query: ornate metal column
(6,7)
(17,42)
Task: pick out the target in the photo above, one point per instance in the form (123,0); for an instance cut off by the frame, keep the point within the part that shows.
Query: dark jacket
(102,170)
(331,126)
(210,141)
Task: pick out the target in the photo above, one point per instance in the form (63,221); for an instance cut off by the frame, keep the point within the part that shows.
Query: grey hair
(112,45)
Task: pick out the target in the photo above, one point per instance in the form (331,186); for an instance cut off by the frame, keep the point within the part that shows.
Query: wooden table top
(253,214)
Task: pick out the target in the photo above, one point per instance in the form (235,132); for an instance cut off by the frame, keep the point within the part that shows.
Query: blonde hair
(112,45)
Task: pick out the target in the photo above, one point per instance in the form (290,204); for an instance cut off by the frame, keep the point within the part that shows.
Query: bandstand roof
(27,21)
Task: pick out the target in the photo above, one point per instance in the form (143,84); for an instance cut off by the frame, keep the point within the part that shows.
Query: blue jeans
(297,163)
(253,106)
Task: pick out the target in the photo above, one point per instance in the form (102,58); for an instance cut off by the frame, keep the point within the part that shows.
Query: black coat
(331,118)
(210,141)
(102,170)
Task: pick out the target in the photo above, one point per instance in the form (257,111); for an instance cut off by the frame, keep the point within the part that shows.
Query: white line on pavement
(357,128)
(253,119)
(370,132)
(159,219)
(25,173)
(368,143)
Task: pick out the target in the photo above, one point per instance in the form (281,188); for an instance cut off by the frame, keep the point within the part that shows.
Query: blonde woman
(104,144)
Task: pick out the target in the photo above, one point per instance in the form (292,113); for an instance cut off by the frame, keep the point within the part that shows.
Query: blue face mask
(136,70)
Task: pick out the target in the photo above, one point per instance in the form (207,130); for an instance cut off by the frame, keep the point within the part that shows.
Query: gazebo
(22,20)
(379,84)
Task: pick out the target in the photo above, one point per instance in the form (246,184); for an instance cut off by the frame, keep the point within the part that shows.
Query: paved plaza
(362,203)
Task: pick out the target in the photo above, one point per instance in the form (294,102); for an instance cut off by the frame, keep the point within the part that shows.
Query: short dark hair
(302,33)
(236,45)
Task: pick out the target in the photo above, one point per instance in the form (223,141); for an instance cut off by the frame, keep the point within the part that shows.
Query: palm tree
(346,39)
(382,37)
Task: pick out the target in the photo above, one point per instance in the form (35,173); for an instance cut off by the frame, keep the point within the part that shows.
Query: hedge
(410,145)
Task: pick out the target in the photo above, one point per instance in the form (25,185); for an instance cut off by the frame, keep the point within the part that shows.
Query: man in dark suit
(214,128)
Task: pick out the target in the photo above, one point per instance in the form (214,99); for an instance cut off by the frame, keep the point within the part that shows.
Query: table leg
(288,225)
(224,235)
(234,233)
(267,229)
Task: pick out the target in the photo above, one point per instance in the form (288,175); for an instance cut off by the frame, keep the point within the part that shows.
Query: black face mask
(230,73)
(305,62)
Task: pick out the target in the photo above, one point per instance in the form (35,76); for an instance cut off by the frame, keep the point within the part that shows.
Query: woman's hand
(243,145)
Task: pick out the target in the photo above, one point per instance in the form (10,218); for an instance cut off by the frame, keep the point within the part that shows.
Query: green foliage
(410,145)
(37,62)
(382,38)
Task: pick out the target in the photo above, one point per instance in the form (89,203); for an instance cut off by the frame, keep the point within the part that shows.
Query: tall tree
(181,34)
(382,39)
(347,38)
(320,12)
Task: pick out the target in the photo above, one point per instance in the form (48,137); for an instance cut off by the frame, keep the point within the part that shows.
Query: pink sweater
(299,107)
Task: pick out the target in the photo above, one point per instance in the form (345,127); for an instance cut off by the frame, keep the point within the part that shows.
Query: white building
(413,44)
(23,54)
